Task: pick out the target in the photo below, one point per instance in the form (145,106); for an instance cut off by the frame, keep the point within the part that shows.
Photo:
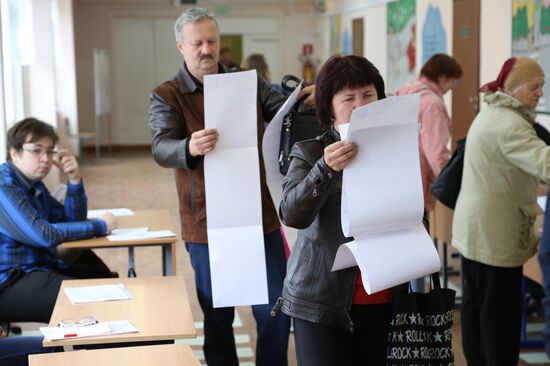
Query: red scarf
(498,84)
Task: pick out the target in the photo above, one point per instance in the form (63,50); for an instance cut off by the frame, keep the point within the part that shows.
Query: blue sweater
(33,223)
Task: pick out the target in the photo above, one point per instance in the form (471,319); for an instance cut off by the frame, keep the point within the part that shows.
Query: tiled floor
(131,179)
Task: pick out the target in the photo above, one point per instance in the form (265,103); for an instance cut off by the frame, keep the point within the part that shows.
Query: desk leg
(131,262)
(168,255)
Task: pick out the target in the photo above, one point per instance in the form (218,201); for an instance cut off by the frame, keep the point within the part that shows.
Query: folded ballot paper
(138,233)
(94,330)
(98,293)
(382,199)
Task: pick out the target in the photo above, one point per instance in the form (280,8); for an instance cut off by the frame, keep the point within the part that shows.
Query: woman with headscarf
(495,212)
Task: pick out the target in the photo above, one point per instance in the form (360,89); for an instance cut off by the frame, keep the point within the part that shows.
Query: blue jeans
(14,351)
(219,342)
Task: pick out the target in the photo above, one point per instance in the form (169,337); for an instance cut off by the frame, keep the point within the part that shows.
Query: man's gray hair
(193,15)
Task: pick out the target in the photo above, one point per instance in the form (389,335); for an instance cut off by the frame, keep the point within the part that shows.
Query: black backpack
(298,125)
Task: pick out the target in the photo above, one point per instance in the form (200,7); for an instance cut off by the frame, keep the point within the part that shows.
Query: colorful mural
(401,30)
(531,37)
(434,36)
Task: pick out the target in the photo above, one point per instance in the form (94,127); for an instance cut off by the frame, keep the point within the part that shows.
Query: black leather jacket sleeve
(307,186)
(270,99)
(170,144)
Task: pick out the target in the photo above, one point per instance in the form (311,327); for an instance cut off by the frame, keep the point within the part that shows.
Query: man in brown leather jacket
(180,141)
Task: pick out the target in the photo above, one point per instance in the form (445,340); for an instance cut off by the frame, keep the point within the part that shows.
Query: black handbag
(298,125)
(446,185)
(421,327)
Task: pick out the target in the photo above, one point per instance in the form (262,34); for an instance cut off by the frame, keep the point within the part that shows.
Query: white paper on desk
(98,293)
(233,195)
(139,235)
(121,327)
(382,199)
(130,231)
(270,152)
(96,214)
(95,330)
(57,333)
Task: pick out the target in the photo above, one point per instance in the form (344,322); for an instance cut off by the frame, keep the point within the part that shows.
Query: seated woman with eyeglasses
(33,224)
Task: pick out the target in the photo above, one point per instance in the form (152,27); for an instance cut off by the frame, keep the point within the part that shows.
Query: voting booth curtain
(421,327)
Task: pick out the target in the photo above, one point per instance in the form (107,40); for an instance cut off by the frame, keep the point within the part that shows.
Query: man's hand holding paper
(203,141)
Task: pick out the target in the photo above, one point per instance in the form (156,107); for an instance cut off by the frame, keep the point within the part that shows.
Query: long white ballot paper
(382,199)
(270,151)
(233,195)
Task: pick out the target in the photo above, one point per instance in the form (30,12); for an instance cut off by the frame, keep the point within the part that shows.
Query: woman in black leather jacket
(335,321)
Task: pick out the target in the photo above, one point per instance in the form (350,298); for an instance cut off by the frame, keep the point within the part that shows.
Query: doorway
(466,24)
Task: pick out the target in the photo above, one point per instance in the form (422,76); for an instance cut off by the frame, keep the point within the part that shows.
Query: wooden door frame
(465,96)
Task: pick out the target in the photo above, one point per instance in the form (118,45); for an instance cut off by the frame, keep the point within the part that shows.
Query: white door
(268,45)
(168,59)
(144,55)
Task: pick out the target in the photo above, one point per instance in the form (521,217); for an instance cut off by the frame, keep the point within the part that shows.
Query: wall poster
(531,37)
(401,31)
(434,35)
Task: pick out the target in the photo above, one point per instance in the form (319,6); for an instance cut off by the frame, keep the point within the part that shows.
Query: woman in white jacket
(495,212)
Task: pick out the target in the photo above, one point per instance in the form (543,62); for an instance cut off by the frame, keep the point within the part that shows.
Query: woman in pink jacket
(438,75)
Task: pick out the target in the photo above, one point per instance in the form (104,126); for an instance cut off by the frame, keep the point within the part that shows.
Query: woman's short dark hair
(338,73)
(29,130)
(441,65)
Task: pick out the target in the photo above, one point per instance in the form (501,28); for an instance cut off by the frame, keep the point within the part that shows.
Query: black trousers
(320,345)
(30,297)
(491,313)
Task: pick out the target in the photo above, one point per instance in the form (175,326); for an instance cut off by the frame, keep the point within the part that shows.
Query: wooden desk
(168,355)
(154,220)
(160,310)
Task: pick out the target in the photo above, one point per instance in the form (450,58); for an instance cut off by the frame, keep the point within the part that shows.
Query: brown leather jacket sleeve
(169,140)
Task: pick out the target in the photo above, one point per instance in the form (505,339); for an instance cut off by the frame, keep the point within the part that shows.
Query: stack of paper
(96,214)
(139,233)
(98,293)
(94,330)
